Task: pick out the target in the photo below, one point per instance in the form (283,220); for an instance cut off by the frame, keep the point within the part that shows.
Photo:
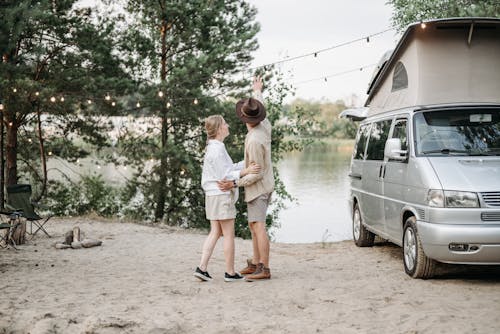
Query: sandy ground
(140,281)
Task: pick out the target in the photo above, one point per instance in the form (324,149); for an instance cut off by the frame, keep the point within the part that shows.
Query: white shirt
(218,165)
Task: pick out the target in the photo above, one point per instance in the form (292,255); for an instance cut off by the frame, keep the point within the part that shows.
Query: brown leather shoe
(250,269)
(260,273)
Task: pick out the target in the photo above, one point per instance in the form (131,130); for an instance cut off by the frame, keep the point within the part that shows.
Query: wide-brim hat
(250,110)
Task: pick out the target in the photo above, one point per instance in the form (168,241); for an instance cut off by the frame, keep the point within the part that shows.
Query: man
(258,187)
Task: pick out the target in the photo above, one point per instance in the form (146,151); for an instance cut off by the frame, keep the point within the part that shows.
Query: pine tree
(190,51)
(55,58)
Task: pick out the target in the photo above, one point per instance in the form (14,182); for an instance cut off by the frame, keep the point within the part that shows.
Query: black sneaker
(202,275)
(236,277)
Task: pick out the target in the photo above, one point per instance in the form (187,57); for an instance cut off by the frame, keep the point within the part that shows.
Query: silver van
(425,169)
(428,179)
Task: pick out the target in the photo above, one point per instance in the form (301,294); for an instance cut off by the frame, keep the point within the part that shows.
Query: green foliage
(90,195)
(410,11)
(325,115)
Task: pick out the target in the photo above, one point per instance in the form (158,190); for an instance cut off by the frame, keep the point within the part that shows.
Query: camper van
(425,169)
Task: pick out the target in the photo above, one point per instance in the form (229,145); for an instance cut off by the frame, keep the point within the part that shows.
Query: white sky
(295,27)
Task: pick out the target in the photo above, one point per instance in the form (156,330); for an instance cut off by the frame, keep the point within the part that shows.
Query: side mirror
(392,150)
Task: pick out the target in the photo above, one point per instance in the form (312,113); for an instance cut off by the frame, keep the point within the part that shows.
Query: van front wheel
(416,263)
(362,237)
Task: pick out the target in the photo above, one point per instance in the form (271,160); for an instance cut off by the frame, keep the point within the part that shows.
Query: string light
(315,53)
(89,101)
(195,101)
(423,25)
(62,98)
(113,103)
(138,105)
(168,104)
(14,90)
(37,93)
(29,140)
(160,93)
(53,99)
(10,123)
(50,152)
(1,106)
(107,98)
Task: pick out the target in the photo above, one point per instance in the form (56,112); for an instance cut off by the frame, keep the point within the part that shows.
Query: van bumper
(483,239)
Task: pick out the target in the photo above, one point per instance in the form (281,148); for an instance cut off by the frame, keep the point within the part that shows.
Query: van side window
(362,137)
(400,132)
(378,137)
(399,77)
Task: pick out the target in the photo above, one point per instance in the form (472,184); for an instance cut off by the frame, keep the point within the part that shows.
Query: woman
(220,205)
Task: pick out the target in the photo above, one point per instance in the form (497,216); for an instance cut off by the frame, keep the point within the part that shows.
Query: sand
(140,281)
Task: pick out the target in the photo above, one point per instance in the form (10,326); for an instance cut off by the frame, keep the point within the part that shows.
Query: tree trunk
(42,157)
(11,150)
(2,162)
(161,192)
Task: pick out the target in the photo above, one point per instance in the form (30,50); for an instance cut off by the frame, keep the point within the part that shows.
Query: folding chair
(10,226)
(19,199)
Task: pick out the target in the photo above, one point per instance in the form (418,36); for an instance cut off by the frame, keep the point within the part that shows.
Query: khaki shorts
(257,208)
(221,207)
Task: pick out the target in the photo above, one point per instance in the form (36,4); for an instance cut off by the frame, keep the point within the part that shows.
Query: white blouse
(218,165)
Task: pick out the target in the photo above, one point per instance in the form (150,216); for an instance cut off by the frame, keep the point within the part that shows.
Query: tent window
(399,77)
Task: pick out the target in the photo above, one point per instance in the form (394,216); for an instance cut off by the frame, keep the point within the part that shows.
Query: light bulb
(37,93)
(62,98)
(89,101)
(423,25)
(50,152)
(168,104)
(107,97)
(14,90)
(138,105)
(52,99)
(160,93)
(113,103)
(1,106)
(195,101)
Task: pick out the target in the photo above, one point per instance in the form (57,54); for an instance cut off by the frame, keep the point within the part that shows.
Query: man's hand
(257,84)
(225,185)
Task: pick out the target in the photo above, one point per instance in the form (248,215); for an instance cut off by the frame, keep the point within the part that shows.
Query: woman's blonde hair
(212,125)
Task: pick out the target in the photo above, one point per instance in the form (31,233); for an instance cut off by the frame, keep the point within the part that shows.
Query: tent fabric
(442,64)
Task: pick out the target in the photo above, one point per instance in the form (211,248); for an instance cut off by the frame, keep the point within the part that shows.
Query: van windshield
(458,132)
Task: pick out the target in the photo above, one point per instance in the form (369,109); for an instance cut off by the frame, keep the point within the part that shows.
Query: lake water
(317,178)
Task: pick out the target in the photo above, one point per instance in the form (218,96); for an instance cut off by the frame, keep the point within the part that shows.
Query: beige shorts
(257,208)
(221,207)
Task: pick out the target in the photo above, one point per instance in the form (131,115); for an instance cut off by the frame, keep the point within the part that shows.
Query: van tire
(361,236)
(416,263)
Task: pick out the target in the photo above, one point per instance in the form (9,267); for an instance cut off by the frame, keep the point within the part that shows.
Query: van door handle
(383,174)
(380,171)
(355,176)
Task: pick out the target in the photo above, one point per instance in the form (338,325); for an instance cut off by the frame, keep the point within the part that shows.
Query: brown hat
(250,110)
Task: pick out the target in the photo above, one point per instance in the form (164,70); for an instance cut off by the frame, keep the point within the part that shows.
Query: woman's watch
(234,184)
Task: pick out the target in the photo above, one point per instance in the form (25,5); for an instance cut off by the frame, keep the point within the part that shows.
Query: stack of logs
(74,239)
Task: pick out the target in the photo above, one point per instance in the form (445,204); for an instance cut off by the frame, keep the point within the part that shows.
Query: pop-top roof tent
(441,61)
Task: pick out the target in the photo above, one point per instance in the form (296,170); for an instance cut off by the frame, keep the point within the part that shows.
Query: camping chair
(10,226)
(19,199)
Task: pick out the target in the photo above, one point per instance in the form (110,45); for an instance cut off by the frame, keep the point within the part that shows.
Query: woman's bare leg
(228,233)
(209,244)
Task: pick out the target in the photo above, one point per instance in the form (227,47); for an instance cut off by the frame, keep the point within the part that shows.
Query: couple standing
(220,181)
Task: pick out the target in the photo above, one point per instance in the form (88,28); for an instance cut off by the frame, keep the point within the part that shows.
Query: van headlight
(452,199)
(461,199)
(435,198)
